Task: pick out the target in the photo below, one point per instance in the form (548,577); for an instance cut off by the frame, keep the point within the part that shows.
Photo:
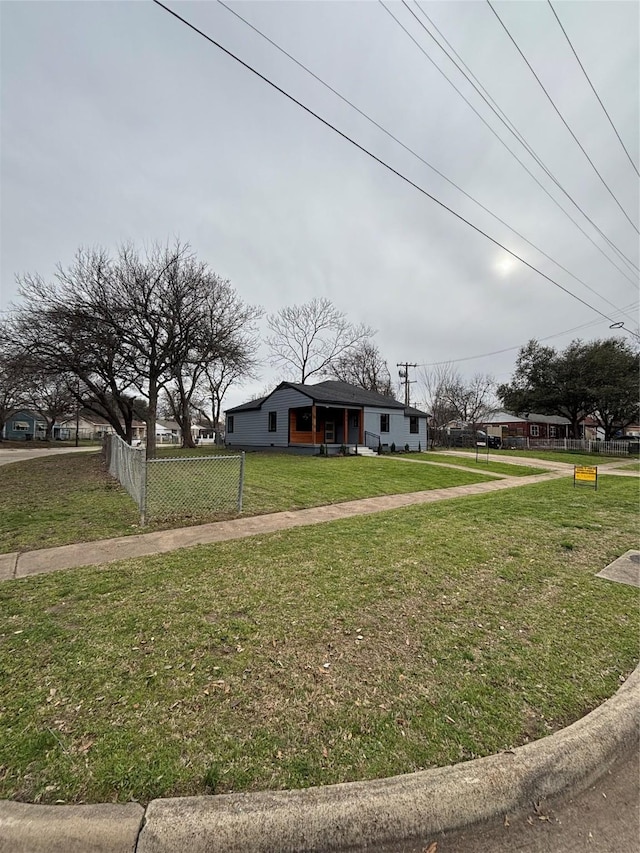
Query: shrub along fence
(177,487)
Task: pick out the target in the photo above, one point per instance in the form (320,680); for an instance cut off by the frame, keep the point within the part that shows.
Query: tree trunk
(151,417)
(185,424)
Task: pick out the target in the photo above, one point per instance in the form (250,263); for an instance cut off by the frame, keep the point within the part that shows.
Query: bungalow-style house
(167,432)
(93,427)
(530,426)
(24,425)
(302,418)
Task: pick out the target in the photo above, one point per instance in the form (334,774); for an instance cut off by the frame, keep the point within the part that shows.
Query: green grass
(351,650)
(508,469)
(55,500)
(561,456)
(58,500)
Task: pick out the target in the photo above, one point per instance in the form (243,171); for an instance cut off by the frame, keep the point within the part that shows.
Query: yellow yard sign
(587,474)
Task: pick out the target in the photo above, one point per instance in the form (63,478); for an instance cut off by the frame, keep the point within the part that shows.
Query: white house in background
(302,418)
(167,432)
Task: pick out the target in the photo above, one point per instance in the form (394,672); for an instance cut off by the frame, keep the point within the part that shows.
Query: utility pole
(404,374)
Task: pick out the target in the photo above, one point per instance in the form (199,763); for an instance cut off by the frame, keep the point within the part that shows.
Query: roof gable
(333,392)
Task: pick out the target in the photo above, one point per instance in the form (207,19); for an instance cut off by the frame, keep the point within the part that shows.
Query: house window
(229,423)
(535,431)
(273,421)
(384,423)
(552,431)
(303,420)
(413,424)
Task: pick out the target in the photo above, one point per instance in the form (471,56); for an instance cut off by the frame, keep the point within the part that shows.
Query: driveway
(12,454)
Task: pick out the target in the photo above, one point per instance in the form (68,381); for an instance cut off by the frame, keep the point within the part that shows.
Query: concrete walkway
(21,565)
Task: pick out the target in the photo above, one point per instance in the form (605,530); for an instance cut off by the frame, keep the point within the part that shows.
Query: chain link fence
(127,464)
(177,487)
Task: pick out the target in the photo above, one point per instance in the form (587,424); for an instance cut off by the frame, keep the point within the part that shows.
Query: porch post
(345,427)
(361,426)
(313,423)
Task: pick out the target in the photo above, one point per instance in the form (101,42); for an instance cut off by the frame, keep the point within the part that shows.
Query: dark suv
(494,441)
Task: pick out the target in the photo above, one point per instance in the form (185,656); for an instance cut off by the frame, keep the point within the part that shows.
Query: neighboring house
(167,432)
(531,426)
(633,429)
(591,430)
(24,425)
(93,427)
(304,417)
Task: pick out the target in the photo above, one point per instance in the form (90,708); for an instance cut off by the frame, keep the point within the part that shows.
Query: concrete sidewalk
(21,565)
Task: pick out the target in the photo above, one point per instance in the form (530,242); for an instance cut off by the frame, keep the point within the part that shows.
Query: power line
(412,151)
(513,154)
(510,126)
(511,349)
(604,109)
(562,118)
(377,159)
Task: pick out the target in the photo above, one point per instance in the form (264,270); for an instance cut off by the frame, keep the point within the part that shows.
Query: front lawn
(509,469)
(56,500)
(351,650)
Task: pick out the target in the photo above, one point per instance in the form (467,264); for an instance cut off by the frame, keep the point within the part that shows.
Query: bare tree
(364,367)
(472,399)
(63,335)
(127,326)
(448,396)
(219,377)
(222,351)
(51,395)
(307,340)
(11,384)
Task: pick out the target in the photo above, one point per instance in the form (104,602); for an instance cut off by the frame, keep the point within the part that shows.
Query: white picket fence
(583,445)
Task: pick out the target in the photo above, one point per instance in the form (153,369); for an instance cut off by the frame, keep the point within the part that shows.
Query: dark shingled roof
(333,392)
(246,407)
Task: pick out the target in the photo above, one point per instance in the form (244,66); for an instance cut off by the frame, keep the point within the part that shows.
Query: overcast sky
(121,124)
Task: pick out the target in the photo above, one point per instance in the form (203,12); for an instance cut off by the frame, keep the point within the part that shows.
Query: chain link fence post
(143,491)
(241,482)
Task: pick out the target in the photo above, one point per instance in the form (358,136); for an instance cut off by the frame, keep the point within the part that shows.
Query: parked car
(495,442)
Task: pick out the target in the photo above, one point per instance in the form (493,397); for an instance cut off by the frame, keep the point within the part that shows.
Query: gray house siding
(399,425)
(251,428)
(413,439)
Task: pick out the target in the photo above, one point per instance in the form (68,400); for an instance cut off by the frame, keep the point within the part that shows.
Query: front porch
(331,426)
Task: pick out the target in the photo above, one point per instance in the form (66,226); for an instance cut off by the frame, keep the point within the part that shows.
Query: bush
(322,450)
(379,448)
(393,447)
(343,449)
(406,448)
(419,448)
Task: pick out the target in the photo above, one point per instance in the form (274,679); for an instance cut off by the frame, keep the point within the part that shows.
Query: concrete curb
(104,828)
(402,809)
(356,816)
